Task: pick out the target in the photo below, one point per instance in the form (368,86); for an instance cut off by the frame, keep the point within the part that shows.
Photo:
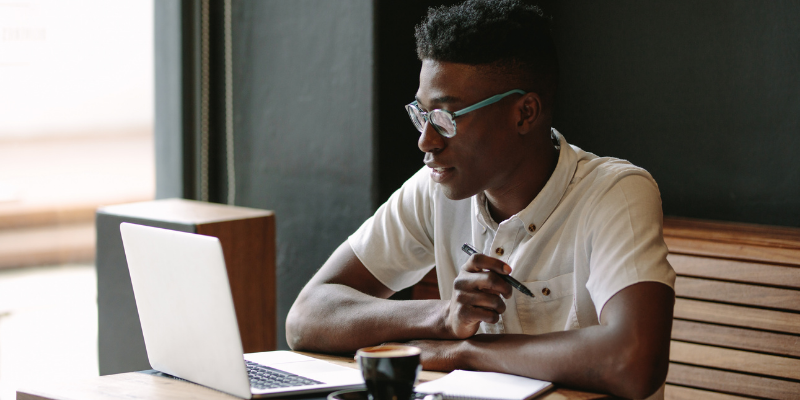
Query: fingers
(468,308)
(470,315)
(482,314)
(481,262)
(483,282)
(477,295)
(480,273)
(465,319)
(485,301)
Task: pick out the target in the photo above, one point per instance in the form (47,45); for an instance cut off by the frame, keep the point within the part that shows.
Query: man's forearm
(578,359)
(339,319)
(627,355)
(583,358)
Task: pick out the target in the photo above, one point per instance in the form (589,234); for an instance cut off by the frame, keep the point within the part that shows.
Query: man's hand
(477,295)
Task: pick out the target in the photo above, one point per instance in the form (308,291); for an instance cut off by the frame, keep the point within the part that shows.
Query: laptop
(190,330)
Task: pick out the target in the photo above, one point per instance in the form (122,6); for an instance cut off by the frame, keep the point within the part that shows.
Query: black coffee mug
(390,372)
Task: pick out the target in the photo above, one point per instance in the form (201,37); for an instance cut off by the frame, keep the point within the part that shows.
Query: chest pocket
(551,307)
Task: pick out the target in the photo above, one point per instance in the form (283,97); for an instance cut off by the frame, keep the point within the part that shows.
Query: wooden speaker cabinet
(248,241)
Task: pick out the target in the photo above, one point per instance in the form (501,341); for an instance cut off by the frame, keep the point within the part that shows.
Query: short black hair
(508,36)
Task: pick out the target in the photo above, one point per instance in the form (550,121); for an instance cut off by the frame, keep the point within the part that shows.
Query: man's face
(486,148)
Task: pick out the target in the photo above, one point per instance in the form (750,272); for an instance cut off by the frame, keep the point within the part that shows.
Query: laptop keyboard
(263,377)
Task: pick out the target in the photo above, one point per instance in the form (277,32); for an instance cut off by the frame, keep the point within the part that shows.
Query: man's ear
(530,110)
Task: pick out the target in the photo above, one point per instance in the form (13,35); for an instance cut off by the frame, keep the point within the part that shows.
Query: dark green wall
(303,123)
(703,94)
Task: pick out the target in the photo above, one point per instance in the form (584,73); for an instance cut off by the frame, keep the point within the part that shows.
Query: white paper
(461,384)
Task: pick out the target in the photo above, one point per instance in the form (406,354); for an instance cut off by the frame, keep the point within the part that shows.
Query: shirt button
(531,228)
(499,251)
(546,291)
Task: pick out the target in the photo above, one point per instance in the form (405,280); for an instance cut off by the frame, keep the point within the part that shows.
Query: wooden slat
(732,382)
(734,360)
(776,321)
(427,288)
(732,250)
(738,293)
(735,271)
(744,339)
(43,245)
(733,232)
(761,243)
(23,215)
(423,291)
(672,392)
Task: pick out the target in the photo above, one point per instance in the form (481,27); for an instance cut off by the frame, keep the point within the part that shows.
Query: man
(582,232)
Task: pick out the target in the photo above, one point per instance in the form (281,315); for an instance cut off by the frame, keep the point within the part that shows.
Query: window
(76,132)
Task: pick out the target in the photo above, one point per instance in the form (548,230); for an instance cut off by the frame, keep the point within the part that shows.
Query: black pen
(511,281)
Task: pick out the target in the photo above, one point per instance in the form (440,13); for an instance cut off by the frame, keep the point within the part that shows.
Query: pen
(511,281)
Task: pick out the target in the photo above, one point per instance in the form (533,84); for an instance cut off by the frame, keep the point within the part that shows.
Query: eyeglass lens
(441,121)
(416,118)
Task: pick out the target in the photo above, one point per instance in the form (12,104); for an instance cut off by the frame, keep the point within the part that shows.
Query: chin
(455,193)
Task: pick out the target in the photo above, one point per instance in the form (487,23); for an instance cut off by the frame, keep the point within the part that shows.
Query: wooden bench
(736,328)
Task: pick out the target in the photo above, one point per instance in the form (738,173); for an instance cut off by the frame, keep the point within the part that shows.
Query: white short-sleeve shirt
(593,230)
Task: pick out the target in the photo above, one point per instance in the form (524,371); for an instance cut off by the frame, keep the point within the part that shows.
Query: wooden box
(248,242)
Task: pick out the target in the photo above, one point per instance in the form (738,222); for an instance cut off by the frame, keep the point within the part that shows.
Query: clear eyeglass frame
(445,121)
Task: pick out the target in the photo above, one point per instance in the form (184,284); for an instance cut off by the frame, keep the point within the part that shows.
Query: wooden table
(137,385)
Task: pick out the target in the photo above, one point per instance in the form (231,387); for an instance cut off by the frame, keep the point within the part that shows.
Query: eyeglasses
(445,121)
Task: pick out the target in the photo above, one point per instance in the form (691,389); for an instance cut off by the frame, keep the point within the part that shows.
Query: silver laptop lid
(185,306)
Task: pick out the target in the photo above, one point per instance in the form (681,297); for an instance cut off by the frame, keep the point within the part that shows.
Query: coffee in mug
(390,372)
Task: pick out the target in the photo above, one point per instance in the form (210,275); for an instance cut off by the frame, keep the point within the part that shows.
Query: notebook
(468,385)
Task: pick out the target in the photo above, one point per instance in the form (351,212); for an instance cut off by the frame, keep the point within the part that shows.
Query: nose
(430,141)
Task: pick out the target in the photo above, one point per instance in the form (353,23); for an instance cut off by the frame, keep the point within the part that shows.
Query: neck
(524,184)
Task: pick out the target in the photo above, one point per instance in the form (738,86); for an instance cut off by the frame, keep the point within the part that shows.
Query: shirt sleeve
(626,240)
(396,243)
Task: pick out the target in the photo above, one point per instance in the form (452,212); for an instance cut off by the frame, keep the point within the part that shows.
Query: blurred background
(296,106)
(76,132)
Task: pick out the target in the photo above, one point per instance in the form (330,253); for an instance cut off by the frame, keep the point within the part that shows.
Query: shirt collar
(536,213)
(481,207)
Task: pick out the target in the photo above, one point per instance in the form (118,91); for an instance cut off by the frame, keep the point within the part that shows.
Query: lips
(441,174)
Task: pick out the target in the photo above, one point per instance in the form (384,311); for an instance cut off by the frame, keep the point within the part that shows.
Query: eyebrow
(440,100)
